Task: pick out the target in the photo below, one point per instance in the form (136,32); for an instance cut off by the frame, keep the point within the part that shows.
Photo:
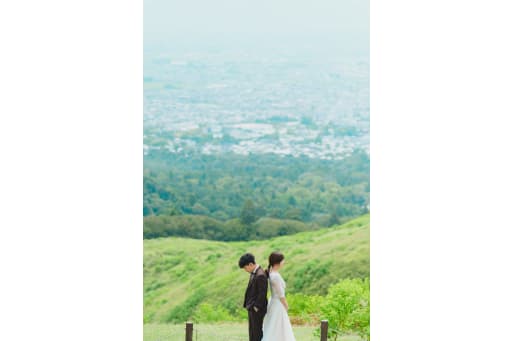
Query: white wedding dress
(276,325)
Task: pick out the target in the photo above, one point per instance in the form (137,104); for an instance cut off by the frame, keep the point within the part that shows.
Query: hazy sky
(170,21)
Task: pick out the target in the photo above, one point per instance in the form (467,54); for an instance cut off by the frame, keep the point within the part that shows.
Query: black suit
(256,297)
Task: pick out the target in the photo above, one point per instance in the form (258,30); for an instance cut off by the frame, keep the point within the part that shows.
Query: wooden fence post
(189,331)
(323,330)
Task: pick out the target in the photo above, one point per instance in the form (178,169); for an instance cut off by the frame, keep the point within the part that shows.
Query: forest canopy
(220,196)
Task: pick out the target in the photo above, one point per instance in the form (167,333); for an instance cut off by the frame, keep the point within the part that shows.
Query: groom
(255,300)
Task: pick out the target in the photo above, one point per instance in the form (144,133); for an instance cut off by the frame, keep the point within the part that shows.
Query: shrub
(185,310)
(347,308)
(304,309)
(207,313)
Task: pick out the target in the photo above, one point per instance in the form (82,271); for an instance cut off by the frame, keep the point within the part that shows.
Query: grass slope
(180,274)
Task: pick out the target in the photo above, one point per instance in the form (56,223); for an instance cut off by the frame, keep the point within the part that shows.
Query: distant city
(283,105)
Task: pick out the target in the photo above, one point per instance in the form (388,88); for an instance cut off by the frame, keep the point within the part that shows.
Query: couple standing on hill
(275,325)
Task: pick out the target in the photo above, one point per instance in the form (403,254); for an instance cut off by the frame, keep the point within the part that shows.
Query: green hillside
(181,274)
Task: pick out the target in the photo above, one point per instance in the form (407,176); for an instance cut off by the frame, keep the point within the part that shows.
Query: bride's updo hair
(274,258)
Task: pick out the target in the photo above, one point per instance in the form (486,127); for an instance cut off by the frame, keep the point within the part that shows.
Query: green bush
(185,310)
(207,313)
(309,273)
(347,308)
(304,309)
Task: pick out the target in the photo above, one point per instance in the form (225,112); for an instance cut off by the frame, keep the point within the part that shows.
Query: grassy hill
(181,274)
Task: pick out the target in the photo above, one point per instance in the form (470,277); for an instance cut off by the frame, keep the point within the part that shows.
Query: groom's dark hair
(246,259)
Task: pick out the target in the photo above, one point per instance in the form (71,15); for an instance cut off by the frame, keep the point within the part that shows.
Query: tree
(292,201)
(248,215)
(199,209)
(293,213)
(333,219)
(299,188)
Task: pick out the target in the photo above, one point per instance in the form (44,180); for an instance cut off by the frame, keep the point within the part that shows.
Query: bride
(276,325)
